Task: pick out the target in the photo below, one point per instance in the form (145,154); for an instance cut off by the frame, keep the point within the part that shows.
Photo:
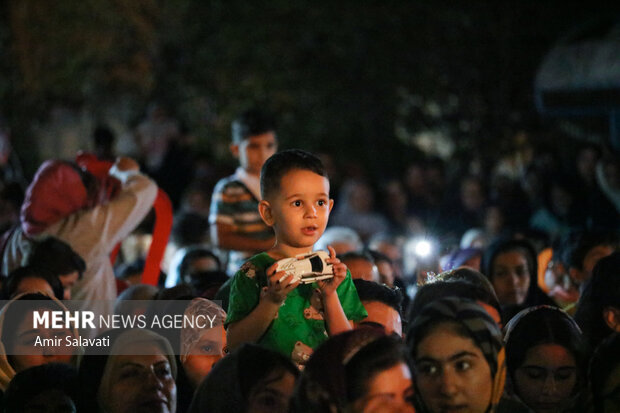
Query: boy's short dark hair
(250,123)
(283,162)
(372,291)
(57,257)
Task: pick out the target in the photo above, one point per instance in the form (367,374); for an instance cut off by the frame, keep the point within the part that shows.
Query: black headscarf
(535,296)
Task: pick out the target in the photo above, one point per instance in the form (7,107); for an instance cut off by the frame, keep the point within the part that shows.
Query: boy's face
(254,151)
(299,211)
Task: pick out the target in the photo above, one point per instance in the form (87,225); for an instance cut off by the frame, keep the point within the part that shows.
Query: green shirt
(299,326)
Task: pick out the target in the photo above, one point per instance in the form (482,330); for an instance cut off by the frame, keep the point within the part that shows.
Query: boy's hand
(328,287)
(276,290)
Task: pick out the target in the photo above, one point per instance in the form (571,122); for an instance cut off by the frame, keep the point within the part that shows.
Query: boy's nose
(311,211)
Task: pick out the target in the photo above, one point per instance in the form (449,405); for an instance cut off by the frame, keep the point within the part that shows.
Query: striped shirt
(234,204)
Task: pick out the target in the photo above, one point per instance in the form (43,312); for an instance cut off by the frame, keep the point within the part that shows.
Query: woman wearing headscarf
(201,348)
(362,371)
(598,310)
(135,374)
(458,358)
(18,348)
(546,357)
(512,267)
(252,379)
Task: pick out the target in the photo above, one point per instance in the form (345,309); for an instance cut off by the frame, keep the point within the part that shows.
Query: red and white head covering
(56,191)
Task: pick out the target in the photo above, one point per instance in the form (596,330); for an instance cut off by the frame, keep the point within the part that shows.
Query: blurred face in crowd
(68,281)
(361,197)
(451,372)
(389,391)
(140,383)
(204,354)
(254,151)
(547,378)
(511,277)
(383,314)
(472,196)
(386,272)
(25,353)
(272,394)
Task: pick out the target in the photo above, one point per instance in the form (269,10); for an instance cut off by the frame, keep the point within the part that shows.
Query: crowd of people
(470,293)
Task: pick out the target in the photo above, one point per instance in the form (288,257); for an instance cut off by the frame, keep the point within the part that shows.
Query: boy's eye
(297,203)
(321,202)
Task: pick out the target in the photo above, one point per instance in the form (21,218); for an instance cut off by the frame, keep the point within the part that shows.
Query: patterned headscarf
(485,333)
(189,335)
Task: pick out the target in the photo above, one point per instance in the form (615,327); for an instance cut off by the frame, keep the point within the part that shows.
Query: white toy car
(307,267)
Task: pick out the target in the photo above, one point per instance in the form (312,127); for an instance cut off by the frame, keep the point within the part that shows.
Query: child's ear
(331,205)
(264,209)
(611,316)
(234,149)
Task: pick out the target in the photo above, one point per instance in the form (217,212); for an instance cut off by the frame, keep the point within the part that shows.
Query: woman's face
(273,393)
(451,372)
(511,277)
(140,383)
(204,354)
(389,391)
(547,378)
(28,350)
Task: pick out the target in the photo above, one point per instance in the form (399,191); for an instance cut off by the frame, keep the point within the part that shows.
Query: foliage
(338,74)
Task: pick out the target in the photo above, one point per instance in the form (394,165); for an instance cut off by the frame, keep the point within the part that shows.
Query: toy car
(308,268)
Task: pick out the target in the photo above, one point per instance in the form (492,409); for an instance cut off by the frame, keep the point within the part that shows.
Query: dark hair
(600,292)
(251,123)
(194,253)
(34,381)
(103,136)
(189,228)
(339,370)
(281,163)
(379,355)
(582,242)
(462,288)
(227,388)
(18,275)
(357,255)
(57,257)
(126,270)
(371,291)
(379,256)
(605,360)
(544,325)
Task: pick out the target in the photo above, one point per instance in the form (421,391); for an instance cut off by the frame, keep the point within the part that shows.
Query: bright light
(423,248)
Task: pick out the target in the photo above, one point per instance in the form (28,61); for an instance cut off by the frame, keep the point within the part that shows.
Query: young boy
(235,223)
(280,314)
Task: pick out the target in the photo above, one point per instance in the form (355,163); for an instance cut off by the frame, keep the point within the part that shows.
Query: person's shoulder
(230,186)
(256,264)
